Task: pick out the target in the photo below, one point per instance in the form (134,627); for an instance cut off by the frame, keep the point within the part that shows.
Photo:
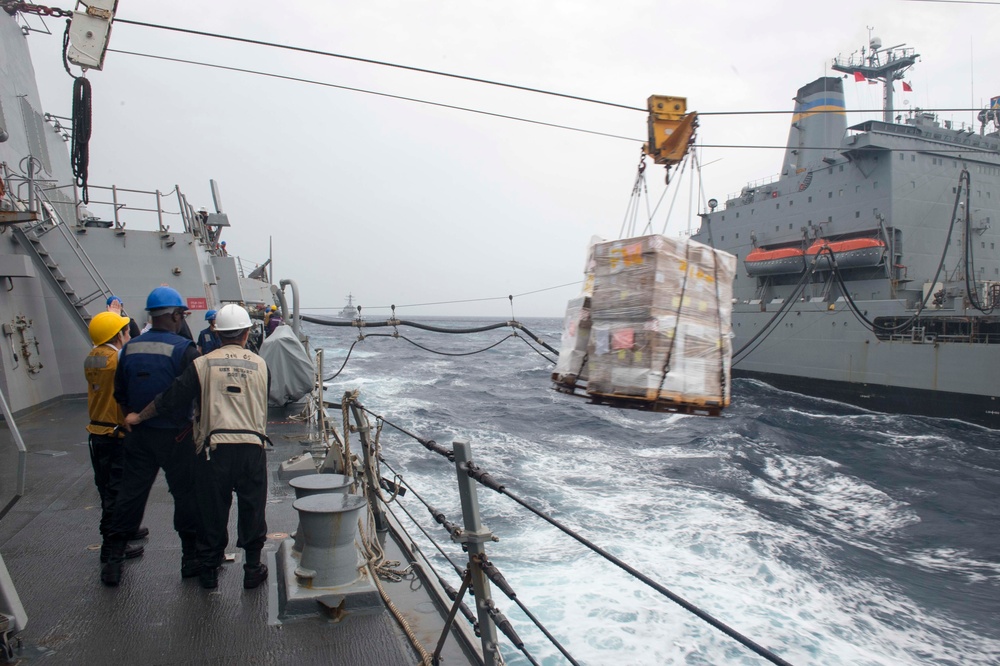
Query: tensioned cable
(381,63)
(487,480)
(462,77)
(373,92)
(530,121)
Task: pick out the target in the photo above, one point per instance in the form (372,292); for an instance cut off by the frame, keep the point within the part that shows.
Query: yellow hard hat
(105,325)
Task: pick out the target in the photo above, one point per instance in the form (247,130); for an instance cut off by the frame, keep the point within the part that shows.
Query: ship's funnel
(818,124)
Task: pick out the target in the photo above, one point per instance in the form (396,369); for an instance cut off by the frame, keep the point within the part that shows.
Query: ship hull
(828,353)
(979,409)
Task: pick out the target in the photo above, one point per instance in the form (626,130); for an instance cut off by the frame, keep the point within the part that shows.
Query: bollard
(329,526)
(316,484)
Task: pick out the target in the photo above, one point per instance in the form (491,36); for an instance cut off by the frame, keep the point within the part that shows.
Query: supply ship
(870,268)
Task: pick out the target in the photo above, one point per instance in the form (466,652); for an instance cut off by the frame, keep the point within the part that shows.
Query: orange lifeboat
(782,261)
(850,253)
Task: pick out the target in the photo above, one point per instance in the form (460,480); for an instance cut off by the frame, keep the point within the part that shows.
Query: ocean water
(825,533)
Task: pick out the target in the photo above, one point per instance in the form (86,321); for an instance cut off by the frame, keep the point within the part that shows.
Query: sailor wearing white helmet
(230,387)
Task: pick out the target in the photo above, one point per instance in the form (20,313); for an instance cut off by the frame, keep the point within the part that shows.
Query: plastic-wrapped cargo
(572,365)
(661,329)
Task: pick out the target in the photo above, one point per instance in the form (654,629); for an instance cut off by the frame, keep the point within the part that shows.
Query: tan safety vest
(233,398)
(99,369)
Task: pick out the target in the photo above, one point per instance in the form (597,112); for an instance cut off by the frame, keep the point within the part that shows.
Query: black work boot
(131,552)
(111,572)
(209,577)
(140,533)
(190,566)
(254,575)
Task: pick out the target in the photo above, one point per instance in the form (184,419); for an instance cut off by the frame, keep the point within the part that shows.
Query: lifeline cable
(485,479)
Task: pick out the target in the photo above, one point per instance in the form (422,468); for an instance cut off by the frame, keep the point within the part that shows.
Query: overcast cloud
(404,203)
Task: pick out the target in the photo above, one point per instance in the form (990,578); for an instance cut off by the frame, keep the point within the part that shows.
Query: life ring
(774,195)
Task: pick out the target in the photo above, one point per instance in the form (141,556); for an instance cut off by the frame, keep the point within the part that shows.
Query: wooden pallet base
(661,405)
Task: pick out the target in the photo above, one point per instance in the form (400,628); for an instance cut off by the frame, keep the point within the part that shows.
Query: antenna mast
(878,64)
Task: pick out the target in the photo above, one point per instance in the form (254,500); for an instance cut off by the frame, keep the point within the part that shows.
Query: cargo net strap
(490,570)
(677,321)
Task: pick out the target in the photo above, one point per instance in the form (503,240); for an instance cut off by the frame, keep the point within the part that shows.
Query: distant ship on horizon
(348,311)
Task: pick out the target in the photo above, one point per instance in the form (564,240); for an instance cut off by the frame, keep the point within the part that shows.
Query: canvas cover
(292,371)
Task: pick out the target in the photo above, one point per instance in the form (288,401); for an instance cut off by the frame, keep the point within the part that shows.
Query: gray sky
(404,203)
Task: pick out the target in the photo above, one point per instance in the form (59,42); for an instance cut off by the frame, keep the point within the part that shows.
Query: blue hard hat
(112,299)
(210,315)
(164,297)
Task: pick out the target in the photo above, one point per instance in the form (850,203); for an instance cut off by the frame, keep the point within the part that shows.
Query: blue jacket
(208,341)
(148,366)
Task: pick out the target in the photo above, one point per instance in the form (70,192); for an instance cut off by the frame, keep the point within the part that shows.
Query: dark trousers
(147,451)
(231,467)
(106,454)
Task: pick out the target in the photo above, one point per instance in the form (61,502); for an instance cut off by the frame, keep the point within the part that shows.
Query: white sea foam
(749,530)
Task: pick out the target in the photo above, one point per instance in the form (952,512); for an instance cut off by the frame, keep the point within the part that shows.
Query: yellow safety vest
(99,369)
(233,398)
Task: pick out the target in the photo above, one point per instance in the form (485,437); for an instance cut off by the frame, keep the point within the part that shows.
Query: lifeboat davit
(851,253)
(782,261)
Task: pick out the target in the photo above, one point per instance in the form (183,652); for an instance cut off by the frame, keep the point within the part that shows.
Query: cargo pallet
(696,407)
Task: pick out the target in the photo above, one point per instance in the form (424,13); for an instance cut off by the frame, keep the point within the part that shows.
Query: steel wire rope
(531,616)
(374,92)
(473,79)
(532,347)
(433,511)
(488,481)
(381,63)
(470,353)
(964,149)
(683,603)
(673,199)
(456,302)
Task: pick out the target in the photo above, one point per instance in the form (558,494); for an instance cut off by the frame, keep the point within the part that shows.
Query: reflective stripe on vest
(99,369)
(150,363)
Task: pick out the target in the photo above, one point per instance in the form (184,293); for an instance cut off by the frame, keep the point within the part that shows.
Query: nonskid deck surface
(50,542)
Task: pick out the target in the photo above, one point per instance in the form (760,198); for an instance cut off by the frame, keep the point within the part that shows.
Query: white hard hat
(231,317)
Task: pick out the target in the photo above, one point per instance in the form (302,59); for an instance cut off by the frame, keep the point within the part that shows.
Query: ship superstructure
(870,267)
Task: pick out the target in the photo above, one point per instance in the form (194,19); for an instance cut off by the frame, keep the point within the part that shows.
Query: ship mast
(878,64)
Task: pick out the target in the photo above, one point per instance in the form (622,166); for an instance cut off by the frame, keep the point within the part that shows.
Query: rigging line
(536,351)
(515,599)
(467,300)
(373,92)
(471,353)
(381,63)
(493,484)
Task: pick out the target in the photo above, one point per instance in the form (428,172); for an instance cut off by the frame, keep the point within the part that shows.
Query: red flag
(906,87)
(859,77)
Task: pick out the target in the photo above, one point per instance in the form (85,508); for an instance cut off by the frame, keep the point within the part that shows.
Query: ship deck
(50,543)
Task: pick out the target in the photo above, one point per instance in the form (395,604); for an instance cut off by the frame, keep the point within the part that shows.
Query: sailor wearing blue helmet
(148,365)
(208,339)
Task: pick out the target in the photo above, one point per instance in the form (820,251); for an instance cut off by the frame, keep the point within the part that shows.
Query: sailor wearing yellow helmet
(109,331)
